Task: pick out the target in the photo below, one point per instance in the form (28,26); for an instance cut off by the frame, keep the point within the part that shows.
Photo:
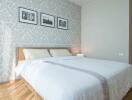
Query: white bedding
(53,82)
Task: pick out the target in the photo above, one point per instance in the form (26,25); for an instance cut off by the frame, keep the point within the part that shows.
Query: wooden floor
(128,96)
(18,90)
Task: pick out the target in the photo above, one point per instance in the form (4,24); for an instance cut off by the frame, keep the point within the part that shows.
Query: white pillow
(60,52)
(31,54)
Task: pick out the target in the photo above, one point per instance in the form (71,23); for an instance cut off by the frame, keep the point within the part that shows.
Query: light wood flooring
(19,90)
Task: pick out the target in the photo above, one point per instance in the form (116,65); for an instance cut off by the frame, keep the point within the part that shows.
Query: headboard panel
(20,54)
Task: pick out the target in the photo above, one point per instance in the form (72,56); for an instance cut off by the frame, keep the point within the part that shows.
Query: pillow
(60,52)
(31,54)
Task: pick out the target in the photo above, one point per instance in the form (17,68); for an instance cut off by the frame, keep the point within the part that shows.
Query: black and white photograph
(27,16)
(62,23)
(47,20)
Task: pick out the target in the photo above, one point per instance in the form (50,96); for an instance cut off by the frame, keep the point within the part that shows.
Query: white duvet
(53,82)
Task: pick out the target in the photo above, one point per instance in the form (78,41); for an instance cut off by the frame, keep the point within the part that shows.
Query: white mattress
(54,82)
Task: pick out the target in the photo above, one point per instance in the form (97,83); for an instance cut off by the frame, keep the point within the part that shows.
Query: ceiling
(80,2)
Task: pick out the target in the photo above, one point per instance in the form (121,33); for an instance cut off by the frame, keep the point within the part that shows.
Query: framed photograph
(47,20)
(27,16)
(62,23)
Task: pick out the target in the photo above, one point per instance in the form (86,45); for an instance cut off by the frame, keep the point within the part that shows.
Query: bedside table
(80,55)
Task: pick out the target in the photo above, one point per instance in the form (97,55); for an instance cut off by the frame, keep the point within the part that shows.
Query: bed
(75,78)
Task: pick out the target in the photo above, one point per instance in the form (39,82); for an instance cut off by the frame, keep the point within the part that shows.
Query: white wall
(105,29)
(130,31)
(15,34)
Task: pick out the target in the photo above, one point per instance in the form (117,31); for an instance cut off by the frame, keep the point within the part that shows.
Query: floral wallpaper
(15,34)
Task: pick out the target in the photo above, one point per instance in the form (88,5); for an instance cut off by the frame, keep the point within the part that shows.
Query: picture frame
(47,20)
(62,23)
(28,16)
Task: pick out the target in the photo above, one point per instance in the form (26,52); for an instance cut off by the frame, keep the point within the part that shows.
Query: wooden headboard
(20,54)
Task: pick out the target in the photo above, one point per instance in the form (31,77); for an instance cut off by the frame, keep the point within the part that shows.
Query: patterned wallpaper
(15,34)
